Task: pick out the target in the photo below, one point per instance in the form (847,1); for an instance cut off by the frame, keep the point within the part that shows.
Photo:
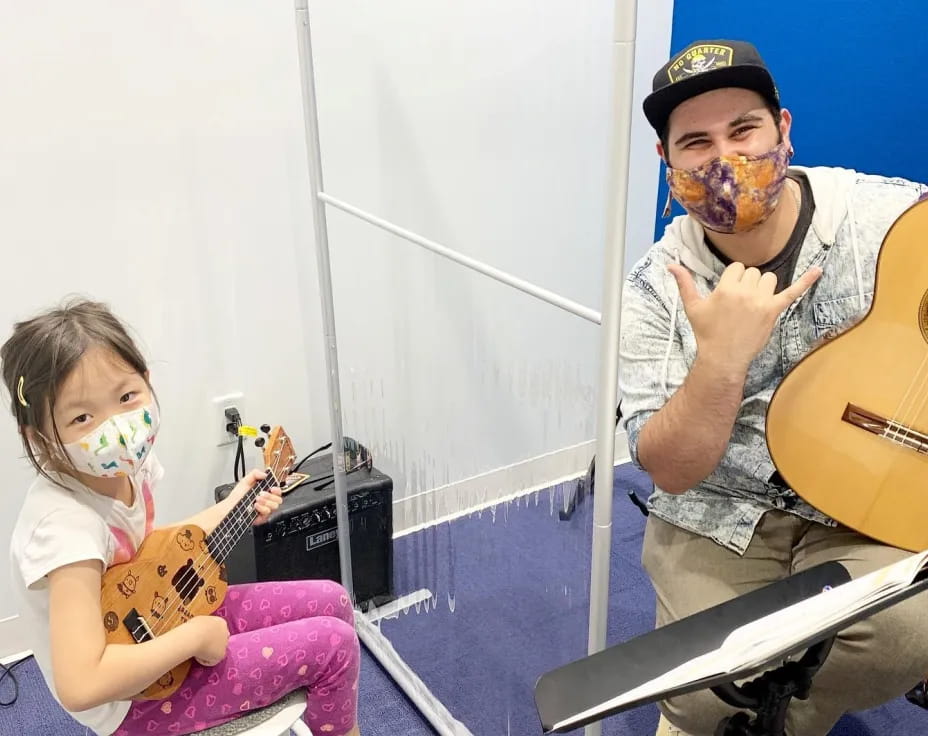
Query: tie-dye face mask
(118,446)
(732,194)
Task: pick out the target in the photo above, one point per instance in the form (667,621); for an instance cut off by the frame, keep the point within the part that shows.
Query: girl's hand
(213,639)
(266,502)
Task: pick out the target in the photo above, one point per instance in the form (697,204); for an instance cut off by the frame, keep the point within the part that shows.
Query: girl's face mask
(732,194)
(118,446)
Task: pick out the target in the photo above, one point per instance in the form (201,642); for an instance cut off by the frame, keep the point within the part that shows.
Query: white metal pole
(623,60)
(320,229)
(430,707)
(472,263)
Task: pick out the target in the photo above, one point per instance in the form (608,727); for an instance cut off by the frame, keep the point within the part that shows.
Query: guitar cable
(239,461)
(8,672)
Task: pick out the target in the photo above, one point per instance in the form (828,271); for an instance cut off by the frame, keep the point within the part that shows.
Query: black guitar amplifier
(300,540)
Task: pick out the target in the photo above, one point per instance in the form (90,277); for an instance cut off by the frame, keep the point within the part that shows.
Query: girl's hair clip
(19,392)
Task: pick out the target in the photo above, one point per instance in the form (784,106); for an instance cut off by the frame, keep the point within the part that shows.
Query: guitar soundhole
(923,317)
(187,582)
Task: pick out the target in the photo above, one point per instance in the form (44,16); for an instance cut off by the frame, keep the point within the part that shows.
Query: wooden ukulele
(848,426)
(178,572)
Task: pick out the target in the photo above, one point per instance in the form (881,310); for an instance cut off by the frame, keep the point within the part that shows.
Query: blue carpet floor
(511,595)
(520,578)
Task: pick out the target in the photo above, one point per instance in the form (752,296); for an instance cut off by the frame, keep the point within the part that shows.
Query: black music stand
(585,686)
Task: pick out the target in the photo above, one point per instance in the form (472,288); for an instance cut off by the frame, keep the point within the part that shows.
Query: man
(767,261)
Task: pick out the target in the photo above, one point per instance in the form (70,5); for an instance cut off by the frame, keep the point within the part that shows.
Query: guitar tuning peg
(266,428)
(259,442)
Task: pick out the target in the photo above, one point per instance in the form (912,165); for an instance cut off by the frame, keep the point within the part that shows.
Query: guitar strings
(202,562)
(901,422)
(898,414)
(908,429)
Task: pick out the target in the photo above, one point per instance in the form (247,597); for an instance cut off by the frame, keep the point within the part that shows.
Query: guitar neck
(238,521)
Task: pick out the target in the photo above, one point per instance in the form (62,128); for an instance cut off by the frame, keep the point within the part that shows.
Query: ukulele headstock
(279,455)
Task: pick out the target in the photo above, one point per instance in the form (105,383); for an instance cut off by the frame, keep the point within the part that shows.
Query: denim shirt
(853,214)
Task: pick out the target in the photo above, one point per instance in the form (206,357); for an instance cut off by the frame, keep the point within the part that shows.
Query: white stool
(280,718)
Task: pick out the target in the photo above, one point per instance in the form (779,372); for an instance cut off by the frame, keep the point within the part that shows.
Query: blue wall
(852,72)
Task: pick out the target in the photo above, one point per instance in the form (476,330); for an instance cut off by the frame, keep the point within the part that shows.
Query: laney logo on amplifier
(317,540)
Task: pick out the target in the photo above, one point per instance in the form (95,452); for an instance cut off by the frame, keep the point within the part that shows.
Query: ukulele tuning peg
(259,442)
(266,428)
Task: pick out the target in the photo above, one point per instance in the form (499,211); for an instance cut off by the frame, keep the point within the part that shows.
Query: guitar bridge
(138,627)
(888,429)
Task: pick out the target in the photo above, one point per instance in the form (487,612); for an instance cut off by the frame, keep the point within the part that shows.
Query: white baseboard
(482,491)
(435,506)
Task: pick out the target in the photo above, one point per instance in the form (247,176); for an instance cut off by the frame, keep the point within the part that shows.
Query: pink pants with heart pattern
(283,636)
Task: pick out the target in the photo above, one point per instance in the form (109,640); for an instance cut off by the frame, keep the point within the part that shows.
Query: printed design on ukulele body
(158,605)
(166,680)
(185,540)
(128,584)
(162,570)
(211,595)
(111,621)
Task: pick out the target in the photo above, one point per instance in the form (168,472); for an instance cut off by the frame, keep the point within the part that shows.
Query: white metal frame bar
(625,20)
(472,263)
(623,81)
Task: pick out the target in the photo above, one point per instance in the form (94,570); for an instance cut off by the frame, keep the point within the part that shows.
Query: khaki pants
(873,661)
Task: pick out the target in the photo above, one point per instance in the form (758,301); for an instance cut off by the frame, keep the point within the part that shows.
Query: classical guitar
(178,572)
(848,426)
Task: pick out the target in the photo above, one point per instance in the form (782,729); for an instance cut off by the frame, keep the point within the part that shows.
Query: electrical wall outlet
(234,400)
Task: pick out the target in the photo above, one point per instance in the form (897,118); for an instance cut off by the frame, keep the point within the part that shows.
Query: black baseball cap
(704,66)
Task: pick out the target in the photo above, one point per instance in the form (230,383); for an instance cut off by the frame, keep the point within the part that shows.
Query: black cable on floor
(8,672)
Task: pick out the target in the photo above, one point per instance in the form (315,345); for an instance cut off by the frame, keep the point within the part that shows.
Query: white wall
(153,157)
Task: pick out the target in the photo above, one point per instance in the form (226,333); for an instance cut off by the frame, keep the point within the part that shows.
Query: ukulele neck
(238,521)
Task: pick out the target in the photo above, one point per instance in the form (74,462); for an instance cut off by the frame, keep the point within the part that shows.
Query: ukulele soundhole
(187,582)
(923,317)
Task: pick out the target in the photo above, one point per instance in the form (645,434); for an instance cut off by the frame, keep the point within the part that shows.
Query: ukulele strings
(201,565)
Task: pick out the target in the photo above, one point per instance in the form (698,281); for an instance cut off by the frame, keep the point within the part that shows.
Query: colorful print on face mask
(732,194)
(118,446)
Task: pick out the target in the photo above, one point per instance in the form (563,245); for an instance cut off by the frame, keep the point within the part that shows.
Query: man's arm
(683,442)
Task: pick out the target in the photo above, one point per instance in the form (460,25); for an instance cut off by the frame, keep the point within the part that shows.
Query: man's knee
(696,714)
(891,647)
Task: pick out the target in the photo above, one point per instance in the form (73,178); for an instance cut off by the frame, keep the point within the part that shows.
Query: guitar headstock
(279,455)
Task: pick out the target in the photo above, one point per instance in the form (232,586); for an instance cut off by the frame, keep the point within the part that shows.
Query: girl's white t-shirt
(59,526)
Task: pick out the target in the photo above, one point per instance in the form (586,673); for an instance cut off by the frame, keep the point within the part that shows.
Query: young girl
(88,417)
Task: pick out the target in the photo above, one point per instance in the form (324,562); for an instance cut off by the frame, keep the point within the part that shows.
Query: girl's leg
(319,653)
(259,605)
